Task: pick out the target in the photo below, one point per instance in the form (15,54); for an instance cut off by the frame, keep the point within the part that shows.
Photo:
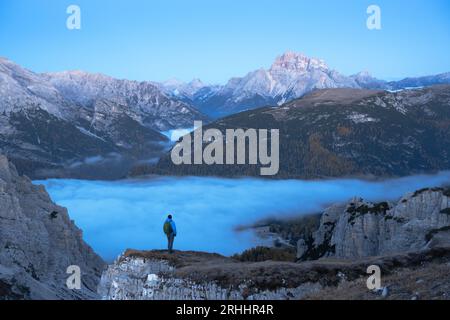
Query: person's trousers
(170,239)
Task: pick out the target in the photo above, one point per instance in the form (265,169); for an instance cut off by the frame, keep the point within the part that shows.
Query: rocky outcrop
(154,275)
(38,242)
(418,221)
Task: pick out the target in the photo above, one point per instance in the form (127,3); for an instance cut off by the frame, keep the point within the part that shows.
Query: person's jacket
(172,224)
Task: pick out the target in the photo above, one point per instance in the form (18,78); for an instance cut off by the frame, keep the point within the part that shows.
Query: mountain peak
(297,61)
(363,74)
(196,83)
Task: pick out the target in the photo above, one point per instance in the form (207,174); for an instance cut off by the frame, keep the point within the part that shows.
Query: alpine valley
(378,153)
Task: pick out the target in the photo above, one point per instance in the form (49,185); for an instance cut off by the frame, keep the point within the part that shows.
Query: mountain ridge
(289,77)
(52,123)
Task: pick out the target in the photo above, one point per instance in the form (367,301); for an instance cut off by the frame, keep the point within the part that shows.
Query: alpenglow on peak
(297,62)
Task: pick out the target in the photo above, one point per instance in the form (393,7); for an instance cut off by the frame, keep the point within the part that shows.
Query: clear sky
(218,39)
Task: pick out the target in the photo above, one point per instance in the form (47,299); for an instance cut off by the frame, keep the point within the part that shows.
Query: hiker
(170,230)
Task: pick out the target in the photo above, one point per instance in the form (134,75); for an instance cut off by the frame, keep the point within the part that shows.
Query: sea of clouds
(118,215)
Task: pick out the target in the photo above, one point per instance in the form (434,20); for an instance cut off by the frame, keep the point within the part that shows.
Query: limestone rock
(154,275)
(38,242)
(363,229)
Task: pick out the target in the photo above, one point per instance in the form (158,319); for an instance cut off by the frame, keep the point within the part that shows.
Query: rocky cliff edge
(38,242)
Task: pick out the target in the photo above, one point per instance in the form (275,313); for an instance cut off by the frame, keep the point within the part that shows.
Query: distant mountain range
(291,76)
(69,119)
(344,132)
(79,124)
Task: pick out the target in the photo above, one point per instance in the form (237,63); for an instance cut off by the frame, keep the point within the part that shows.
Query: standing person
(170,229)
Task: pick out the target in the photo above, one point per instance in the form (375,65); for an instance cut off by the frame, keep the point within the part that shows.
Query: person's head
(169,216)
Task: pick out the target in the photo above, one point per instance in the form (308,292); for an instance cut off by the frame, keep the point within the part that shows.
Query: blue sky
(216,40)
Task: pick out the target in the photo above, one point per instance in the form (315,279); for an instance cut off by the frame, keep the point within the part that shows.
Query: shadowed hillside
(344,132)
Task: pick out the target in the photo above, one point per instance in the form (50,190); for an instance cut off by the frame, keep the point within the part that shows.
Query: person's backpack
(168,227)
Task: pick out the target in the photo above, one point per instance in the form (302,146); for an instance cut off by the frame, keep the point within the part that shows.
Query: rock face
(154,275)
(358,229)
(38,242)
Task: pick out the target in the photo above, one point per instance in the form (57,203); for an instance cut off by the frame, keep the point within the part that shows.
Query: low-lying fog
(129,214)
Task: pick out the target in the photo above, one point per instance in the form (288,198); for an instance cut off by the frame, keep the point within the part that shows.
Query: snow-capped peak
(297,62)
(196,83)
(180,88)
